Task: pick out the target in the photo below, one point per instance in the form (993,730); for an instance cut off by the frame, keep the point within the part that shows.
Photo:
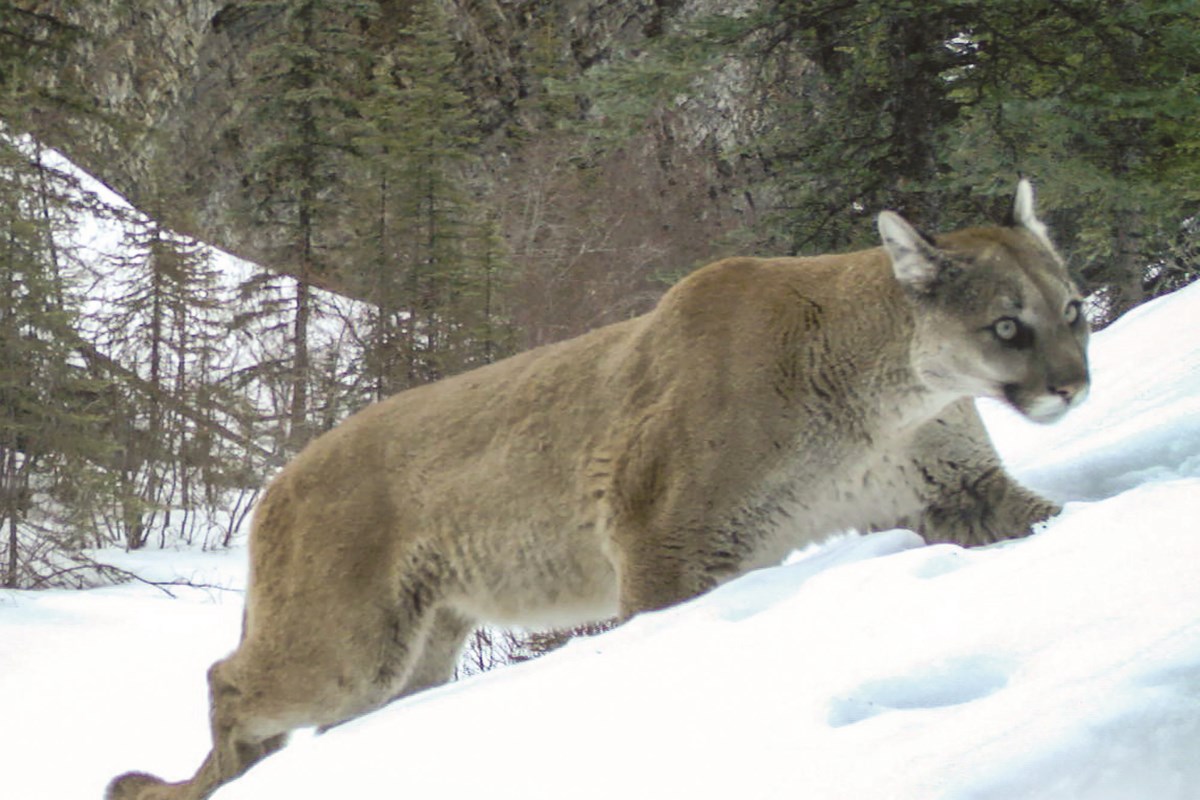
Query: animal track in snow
(949,683)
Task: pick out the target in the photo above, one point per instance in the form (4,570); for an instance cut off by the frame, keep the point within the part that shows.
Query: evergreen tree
(306,84)
(429,263)
(48,440)
(933,108)
(1101,102)
(163,327)
(48,435)
(493,333)
(858,108)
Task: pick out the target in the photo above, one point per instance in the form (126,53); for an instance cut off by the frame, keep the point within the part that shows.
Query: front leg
(982,506)
(658,514)
(965,495)
(653,573)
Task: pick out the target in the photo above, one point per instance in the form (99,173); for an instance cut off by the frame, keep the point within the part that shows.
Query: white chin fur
(1046,409)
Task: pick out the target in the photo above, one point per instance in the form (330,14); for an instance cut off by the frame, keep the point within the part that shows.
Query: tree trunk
(298,416)
(10,572)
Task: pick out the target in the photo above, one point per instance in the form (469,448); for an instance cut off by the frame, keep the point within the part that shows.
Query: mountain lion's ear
(914,256)
(1022,214)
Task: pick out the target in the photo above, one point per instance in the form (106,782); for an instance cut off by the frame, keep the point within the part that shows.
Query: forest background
(426,186)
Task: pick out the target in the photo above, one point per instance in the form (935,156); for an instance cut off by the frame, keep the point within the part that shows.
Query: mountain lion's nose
(1072,392)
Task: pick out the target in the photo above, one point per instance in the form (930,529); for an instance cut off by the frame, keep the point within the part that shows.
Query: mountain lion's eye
(1072,313)
(1013,333)
(1006,329)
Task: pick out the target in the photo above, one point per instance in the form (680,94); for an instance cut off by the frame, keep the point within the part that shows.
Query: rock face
(170,78)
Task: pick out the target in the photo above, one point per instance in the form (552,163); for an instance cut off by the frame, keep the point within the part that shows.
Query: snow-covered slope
(1065,665)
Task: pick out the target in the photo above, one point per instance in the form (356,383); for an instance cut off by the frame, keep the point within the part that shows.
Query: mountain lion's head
(995,313)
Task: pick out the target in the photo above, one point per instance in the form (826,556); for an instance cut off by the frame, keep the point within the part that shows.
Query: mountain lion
(762,405)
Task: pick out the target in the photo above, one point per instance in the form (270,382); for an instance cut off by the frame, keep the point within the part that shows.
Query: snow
(1064,665)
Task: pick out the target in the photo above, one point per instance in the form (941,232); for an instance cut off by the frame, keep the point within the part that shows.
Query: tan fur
(763,404)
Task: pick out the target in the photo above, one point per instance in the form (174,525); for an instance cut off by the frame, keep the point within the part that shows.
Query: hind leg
(439,652)
(234,751)
(433,666)
(299,678)
(249,721)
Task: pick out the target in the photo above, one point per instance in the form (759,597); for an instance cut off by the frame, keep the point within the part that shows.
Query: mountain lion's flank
(764,404)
